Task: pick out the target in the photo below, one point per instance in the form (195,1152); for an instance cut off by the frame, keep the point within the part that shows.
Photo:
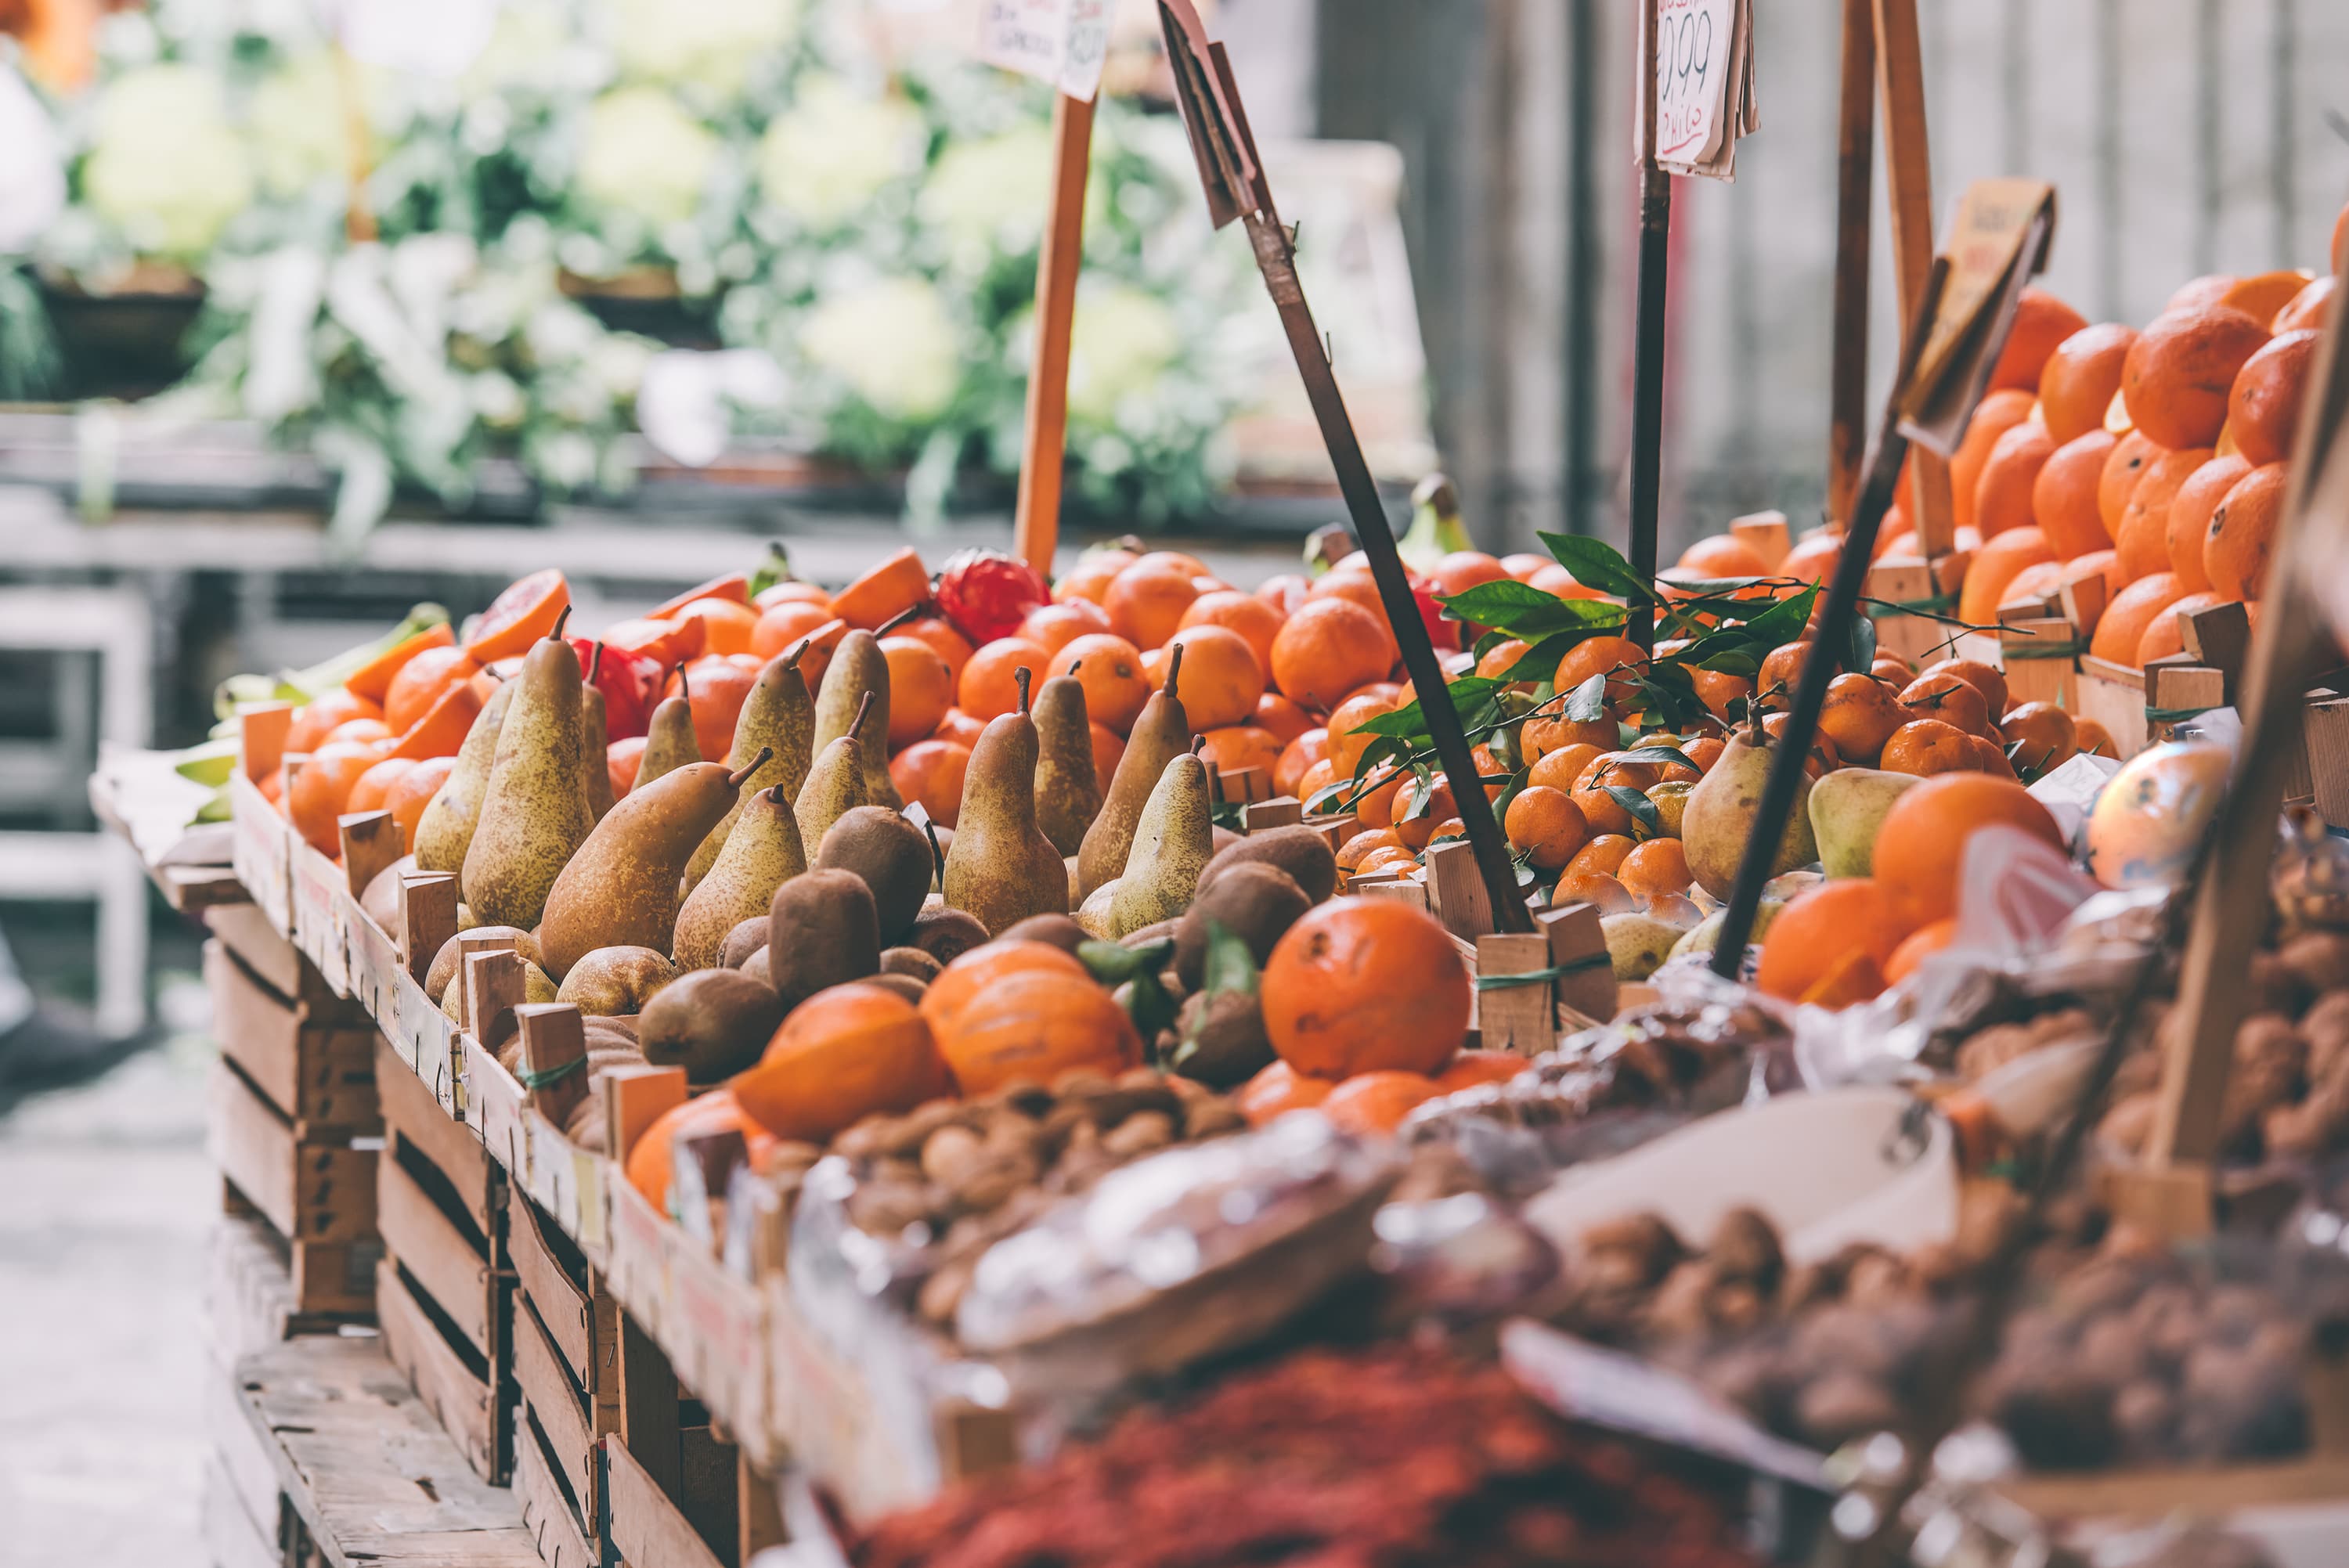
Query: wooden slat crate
(318,1194)
(550,1512)
(566,1354)
(312,1063)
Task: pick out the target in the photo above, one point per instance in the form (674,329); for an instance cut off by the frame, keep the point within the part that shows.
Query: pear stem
(743,772)
(910,612)
(595,662)
(1174,671)
(684,688)
(791,659)
(775,794)
(864,705)
(1198,744)
(937,854)
(1022,676)
(560,622)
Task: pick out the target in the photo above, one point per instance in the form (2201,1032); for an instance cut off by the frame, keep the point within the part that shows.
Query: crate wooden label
(566,1179)
(257,844)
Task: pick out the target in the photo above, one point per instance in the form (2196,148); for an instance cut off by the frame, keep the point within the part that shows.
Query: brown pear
(1067,790)
(445,832)
(1001,868)
(669,742)
(1162,732)
(858,669)
(621,889)
(836,786)
(595,743)
(779,719)
(534,813)
(761,853)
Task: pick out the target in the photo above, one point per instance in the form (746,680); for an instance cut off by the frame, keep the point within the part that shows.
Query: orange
(2165,636)
(2064,496)
(1146,600)
(2235,547)
(1523,565)
(1983,678)
(1598,889)
(2103,564)
(1326,649)
(886,591)
(931,771)
(367,794)
(1540,737)
(414,790)
(1415,827)
(944,640)
(623,759)
(1602,853)
(1813,560)
(1462,570)
(2127,464)
(321,789)
(651,1159)
(524,612)
(2176,379)
(716,688)
(1181,561)
(1314,787)
(1374,797)
(1602,810)
(1821,926)
(1359,985)
(2261,296)
(782,625)
(1289,767)
(1502,657)
(2095,740)
(1362,846)
(2077,383)
(373,679)
(442,729)
(1822,759)
(421,683)
(1563,768)
(1471,1067)
(2002,493)
(2189,516)
(1605,655)
(1859,716)
(1037,1027)
(1781,671)
(1283,717)
(1110,669)
(1723,555)
(2207,290)
(325,714)
(1921,847)
(1546,826)
(989,687)
(2263,407)
(1373,1104)
(1990,757)
(1925,747)
(2132,610)
(2142,539)
(844,1053)
(2040,584)
(2041,323)
(728,625)
(1232,748)
(1090,577)
(1347,740)
(1108,748)
(1655,869)
(1557,581)
(982,969)
(1221,678)
(1054,626)
(1717,689)
(1245,613)
(2044,735)
(1278,1088)
(960,727)
(1994,567)
(1993,417)
(921,689)
(1917,946)
(2311,307)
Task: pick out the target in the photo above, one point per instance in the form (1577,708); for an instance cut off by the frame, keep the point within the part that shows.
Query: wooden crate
(454,1385)
(565,1353)
(249,1298)
(2113,696)
(313,1062)
(550,1512)
(245,1515)
(2326,729)
(316,1192)
(694,1516)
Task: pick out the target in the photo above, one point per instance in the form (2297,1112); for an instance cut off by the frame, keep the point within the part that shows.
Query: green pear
(669,742)
(594,744)
(1705,935)
(621,889)
(858,670)
(534,813)
(1162,732)
(1001,868)
(761,853)
(836,785)
(1847,808)
(1638,943)
(1067,790)
(778,717)
(445,830)
(1719,817)
(1172,845)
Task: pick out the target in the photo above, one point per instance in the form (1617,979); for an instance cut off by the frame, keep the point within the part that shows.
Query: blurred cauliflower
(1121,342)
(165,165)
(990,193)
(298,124)
(893,342)
(645,156)
(708,44)
(835,148)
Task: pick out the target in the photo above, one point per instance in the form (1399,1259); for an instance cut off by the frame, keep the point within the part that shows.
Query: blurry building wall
(2183,137)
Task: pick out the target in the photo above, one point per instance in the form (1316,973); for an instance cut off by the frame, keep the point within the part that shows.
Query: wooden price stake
(1998,244)
(1233,176)
(1064,43)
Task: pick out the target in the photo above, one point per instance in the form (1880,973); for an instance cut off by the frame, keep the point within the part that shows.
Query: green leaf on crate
(1230,965)
(1590,699)
(1598,566)
(1523,611)
(1641,809)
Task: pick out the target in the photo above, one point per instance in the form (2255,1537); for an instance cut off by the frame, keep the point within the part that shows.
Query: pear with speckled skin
(1001,868)
(837,784)
(859,670)
(779,719)
(445,832)
(1172,845)
(763,853)
(594,744)
(1162,732)
(669,742)
(1067,789)
(534,812)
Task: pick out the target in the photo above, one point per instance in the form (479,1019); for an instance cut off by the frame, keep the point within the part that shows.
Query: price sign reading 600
(1691,75)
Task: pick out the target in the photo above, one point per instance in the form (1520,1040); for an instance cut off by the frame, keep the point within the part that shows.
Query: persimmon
(2236,546)
(412,791)
(932,772)
(1037,1025)
(1327,648)
(1279,1088)
(2043,733)
(1054,626)
(2177,374)
(1859,716)
(989,687)
(1926,746)
(651,1159)
(2189,516)
(1373,1104)
(2132,610)
(844,1053)
(1819,927)
(1655,869)
(2002,493)
(321,788)
(1546,826)
(2142,539)
(1359,985)
(2042,324)
(1299,754)
(522,613)
(2064,496)
(886,589)
(2263,405)
(2077,383)
(2123,468)
(982,968)
(1995,567)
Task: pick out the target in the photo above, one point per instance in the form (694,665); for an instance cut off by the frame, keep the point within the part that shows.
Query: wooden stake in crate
(1279,811)
(553,1067)
(427,918)
(371,843)
(494,988)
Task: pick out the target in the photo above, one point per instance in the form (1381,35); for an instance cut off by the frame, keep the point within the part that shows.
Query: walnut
(1877,1279)
(1842,1405)
(953,1155)
(1994,1048)
(1141,1133)
(1206,1116)
(1736,1307)
(1681,1307)
(1645,1239)
(1745,1245)
(2110,1350)
(2144,1413)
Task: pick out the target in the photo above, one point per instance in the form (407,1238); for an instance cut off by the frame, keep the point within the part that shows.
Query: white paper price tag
(1704,84)
(1063,42)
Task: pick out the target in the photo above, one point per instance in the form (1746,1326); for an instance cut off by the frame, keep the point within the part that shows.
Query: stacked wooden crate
(566,1362)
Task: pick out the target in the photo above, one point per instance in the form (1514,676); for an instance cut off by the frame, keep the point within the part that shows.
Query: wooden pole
(1036,526)
(1648,335)
(1855,200)
(1908,176)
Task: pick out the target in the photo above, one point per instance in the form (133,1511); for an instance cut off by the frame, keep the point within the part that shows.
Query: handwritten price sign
(1704,84)
(1062,42)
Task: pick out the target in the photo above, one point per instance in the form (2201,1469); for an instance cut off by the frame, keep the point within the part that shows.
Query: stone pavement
(109,1201)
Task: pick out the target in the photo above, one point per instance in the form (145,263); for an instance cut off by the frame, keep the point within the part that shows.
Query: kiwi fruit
(1300,851)
(910,961)
(1053,930)
(890,853)
(1220,1039)
(755,966)
(713,1022)
(822,931)
(1254,900)
(745,938)
(945,935)
(906,986)
(611,981)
